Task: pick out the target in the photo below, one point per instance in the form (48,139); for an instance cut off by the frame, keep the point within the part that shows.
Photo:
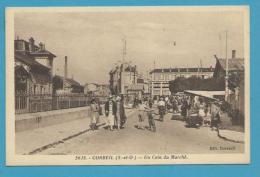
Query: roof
(171,70)
(20,70)
(37,49)
(72,82)
(28,60)
(68,80)
(130,68)
(234,64)
(40,78)
(207,94)
(42,52)
(113,70)
(35,76)
(97,84)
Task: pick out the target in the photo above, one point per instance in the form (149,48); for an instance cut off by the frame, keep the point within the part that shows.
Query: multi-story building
(159,78)
(33,68)
(122,77)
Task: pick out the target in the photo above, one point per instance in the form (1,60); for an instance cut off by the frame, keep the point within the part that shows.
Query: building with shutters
(159,78)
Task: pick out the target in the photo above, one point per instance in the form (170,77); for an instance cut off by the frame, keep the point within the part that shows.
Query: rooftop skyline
(93,41)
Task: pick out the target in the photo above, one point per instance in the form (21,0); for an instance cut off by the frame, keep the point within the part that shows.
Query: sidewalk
(234,136)
(29,141)
(227,132)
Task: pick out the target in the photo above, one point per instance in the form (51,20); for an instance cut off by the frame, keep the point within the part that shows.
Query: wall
(25,122)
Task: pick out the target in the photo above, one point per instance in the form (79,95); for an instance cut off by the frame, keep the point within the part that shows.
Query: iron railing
(26,103)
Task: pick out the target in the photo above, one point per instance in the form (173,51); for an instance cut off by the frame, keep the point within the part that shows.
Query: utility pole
(153,70)
(226,77)
(124,49)
(65,71)
(122,89)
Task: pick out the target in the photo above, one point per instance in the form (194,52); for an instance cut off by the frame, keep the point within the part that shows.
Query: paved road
(171,137)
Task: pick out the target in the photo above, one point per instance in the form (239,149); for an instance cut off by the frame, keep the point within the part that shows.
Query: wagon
(194,120)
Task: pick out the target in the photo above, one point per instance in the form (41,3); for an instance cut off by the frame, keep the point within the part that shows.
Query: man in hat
(110,110)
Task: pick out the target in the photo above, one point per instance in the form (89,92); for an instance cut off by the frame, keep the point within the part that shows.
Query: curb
(59,141)
(42,148)
(228,139)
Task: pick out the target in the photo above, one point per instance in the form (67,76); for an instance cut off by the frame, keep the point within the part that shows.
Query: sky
(93,40)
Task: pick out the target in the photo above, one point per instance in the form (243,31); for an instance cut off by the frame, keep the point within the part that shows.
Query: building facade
(122,77)
(63,85)
(33,68)
(95,89)
(236,70)
(159,78)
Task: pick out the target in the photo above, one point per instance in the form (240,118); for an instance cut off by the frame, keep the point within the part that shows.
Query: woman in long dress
(110,109)
(94,115)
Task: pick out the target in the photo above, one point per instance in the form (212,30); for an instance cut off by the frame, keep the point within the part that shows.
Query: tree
(194,83)
(235,79)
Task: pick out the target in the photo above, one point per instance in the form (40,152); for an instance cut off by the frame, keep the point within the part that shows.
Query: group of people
(114,112)
(195,110)
(146,113)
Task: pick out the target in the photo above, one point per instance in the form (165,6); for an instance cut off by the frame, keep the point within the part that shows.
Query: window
(161,77)
(19,45)
(34,89)
(156,77)
(167,76)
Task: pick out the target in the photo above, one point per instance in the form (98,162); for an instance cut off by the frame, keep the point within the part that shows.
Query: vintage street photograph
(127,85)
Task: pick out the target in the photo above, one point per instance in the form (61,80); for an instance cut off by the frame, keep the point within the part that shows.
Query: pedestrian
(150,102)
(151,122)
(215,116)
(201,108)
(141,115)
(94,115)
(99,108)
(184,108)
(161,107)
(119,111)
(166,100)
(122,112)
(174,105)
(110,110)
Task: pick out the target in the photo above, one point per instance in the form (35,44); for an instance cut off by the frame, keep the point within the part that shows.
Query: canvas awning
(207,94)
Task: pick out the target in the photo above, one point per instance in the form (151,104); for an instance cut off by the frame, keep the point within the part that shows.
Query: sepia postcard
(127,85)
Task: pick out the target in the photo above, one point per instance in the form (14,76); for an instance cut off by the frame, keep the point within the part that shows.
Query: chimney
(233,53)
(66,68)
(31,45)
(41,46)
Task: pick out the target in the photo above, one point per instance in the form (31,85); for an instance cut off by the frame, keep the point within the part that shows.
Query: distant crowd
(194,110)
